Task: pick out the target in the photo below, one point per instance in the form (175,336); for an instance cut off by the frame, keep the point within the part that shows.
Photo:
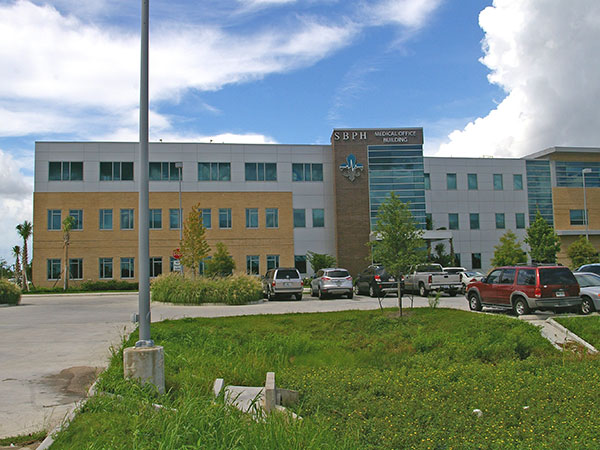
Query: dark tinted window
(494,277)
(286,273)
(508,276)
(337,273)
(526,277)
(560,275)
(429,268)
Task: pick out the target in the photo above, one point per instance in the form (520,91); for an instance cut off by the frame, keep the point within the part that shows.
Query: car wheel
(298,296)
(313,293)
(270,295)
(586,305)
(321,294)
(422,291)
(350,294)
(356,289)
(372,292)
(520,306)
(474,302)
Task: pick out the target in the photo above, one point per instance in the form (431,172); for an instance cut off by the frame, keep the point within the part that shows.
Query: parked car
(593,268)
(282,282)
(468,276)
(525,288)
(375,281)
(331,281)
(589,291)
(431,277)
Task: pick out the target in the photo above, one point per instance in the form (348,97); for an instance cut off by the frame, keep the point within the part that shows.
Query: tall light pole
(585,212)
(179,166)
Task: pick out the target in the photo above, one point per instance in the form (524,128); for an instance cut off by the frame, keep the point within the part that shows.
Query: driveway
(53,346)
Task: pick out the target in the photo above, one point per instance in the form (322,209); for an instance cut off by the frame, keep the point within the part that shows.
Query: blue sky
(498,78)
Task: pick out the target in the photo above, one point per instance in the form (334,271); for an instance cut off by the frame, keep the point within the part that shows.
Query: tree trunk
(66,269)
(399,280)
(24,266)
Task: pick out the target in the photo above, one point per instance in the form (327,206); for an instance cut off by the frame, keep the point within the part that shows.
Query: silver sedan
(589,284)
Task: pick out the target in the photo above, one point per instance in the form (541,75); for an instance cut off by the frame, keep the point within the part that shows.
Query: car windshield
(555,276)
(587,280)
(430,268)
(337,273)
(472,274)
(286,274)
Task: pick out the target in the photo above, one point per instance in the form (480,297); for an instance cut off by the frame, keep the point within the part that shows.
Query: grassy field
(587,328)
(367,380)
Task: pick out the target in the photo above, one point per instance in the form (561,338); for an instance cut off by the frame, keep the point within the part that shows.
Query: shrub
(233,290)
(9,293)
(109,285)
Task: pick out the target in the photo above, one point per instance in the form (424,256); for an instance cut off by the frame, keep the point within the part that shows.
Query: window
(174,219)
(251,217)
(272,262)
(474,221)
(272,217)
(457,259)
(206,218)
(520,220)
(453,221)
(261,172)
(498,182)
(127,219)
(202,265)
(75,268)
(224,217)
(106,268)
(54,222)
(300,263)
(307,172)
(163,171)
(252,265)
(155,266)
(526,277)
(53,269)
(472,181)
(476,260)
(518,182)
(577,216)
(127,268)
(508,276)
(299,218)
(427,180)
(116,171)
(77,214)
(106,219)
(451,181)
(155,218)
(65,171)
(214,171)
(318,217)
(493,277)
(500,222)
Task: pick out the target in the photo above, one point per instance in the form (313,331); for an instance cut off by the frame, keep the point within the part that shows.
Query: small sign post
(177,266)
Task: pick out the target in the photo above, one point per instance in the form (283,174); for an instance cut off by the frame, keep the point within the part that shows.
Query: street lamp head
(586,171)
(179,165)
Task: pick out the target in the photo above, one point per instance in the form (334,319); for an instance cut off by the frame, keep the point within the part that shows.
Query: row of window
(169,171)
(475,260)
(473,182)
(454,223)
(127,264)
(126,216)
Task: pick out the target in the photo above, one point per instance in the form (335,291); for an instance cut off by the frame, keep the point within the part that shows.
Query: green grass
(23,439)
(367,380)
(587,328)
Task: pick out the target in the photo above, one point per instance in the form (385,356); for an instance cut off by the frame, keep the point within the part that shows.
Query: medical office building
(270,204)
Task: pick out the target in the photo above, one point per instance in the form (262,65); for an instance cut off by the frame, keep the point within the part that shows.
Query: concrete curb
(79,294)
(569,335)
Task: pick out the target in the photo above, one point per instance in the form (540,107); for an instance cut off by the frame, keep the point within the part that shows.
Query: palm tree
(16,250)
(67,226)
(25,229)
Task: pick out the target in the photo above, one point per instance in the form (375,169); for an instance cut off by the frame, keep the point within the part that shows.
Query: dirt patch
(74,382)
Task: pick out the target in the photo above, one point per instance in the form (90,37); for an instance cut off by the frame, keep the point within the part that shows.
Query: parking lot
(52,346)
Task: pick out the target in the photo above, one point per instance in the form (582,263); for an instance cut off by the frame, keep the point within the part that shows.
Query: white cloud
(407,13)
(542,53)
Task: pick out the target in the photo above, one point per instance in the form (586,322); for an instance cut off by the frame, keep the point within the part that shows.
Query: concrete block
(146,364)
(218,386)
(287,397)
(270,393)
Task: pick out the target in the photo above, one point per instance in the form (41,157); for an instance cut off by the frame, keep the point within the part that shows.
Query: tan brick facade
(91,243)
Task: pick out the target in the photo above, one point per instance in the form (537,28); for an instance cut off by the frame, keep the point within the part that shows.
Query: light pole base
(146,364)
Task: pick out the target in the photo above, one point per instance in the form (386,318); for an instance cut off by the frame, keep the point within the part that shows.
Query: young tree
(582,252)
(67,225)
(508,252)
(16,251)
(542,240)
(320,260)
(5,270)
(399,244)
(194,247)
(25,229)
(440,256)
(221,264)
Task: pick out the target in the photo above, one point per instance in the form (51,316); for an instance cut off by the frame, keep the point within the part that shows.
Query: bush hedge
(87,286)
(10,293)
(233,290)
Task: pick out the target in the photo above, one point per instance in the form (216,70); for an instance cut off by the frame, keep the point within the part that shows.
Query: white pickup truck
(431,277)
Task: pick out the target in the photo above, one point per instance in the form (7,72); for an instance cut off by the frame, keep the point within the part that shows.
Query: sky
(499,78)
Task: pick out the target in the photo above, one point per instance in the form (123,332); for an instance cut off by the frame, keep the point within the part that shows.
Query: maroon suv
(525,288)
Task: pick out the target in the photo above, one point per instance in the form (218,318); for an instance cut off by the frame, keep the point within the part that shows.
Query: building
(271,204)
